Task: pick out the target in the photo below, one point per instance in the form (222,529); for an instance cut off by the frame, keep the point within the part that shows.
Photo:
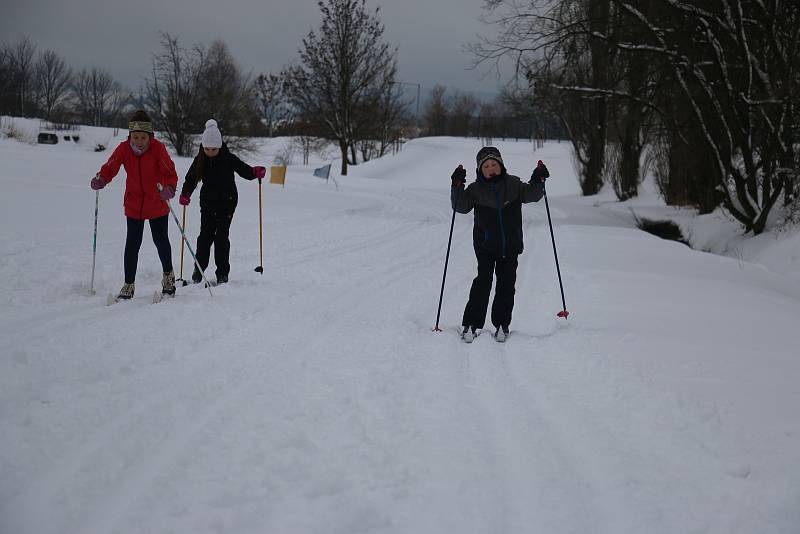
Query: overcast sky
(263,35)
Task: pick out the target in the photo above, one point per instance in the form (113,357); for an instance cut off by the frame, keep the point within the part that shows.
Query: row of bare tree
(39,83)
(704,93)
(342,88)
(512,114)
(184,88)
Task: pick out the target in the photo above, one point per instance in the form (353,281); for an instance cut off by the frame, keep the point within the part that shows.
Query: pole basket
(563,313)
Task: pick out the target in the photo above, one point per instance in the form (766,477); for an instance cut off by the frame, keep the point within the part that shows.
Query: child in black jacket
(496,198)
(214,165)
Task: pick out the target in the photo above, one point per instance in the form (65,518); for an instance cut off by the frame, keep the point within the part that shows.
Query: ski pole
(94,242)
(563,313)
(180,279)
(183,282)
(260,268)
(183,235)
(444,276)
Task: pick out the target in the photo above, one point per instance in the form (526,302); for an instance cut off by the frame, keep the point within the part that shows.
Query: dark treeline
(512,115)
(702,94)
(39,83)
(184,88)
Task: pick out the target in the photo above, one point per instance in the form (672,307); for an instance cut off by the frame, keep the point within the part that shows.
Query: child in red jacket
(147,164)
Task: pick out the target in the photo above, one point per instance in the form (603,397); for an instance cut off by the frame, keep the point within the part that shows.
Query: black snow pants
(503,304)
(215,225)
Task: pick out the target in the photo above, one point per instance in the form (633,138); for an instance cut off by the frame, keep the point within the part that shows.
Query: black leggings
(158,227)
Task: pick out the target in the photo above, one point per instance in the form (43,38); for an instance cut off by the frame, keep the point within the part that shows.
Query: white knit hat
(211,136)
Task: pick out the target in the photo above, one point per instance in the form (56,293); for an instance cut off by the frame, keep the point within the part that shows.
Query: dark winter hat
(140,122)
(489,152)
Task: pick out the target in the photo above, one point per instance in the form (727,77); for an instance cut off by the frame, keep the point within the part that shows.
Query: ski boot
(501,334)
(168,283)
(222,279)
(126,293)
(468,334)
(197,277)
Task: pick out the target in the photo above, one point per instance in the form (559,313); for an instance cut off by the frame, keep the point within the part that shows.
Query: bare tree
(307,136)
(527,113)
(345,67)
(600,61)
(6,85)
(735,63)
(53,79)
(562,91)
(437,111)
(463,108)
(19,68)
(271,100)
(393,119)
(308,144)
(488,123)
(683,172)
(226,93)
(99,97)
(559,48)
(174,92)
(385,122)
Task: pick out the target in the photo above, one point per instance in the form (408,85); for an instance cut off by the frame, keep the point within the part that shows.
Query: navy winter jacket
(498,211)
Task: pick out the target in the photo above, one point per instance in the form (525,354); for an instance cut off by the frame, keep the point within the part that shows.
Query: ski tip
(160,296)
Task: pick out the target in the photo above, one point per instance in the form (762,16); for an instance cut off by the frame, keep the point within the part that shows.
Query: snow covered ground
(316,399)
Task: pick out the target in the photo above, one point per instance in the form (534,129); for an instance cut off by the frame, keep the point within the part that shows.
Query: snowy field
(316,399)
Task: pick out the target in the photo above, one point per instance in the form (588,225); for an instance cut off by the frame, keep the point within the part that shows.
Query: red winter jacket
(142,200)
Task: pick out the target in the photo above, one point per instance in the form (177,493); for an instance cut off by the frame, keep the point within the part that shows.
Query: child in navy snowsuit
(497,199)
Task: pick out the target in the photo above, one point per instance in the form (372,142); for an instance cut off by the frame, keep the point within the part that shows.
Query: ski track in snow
(316,398)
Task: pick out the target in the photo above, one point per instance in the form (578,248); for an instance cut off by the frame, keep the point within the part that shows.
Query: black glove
(459,176)
(540,173)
